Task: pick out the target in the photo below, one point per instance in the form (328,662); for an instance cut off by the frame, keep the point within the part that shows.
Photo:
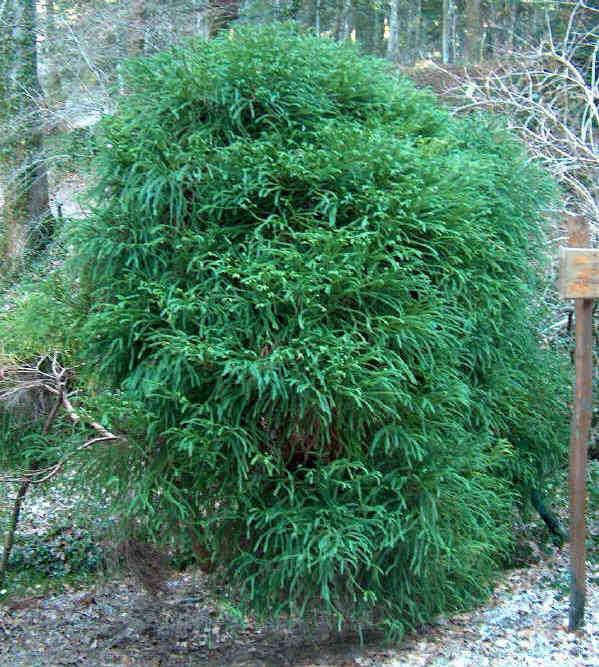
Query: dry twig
(17,382)
(550,98)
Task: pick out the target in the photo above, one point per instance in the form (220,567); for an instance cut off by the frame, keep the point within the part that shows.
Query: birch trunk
(445,33)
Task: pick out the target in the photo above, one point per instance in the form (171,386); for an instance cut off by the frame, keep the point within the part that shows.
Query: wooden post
(583,282)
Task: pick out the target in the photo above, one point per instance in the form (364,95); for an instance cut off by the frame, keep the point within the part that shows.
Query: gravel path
(118,624)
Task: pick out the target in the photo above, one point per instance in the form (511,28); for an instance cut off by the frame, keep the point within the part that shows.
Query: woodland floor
(117,623)
(114,621)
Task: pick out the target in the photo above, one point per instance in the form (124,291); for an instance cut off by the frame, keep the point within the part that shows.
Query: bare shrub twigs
(549,93)
(20,383)
(34,387)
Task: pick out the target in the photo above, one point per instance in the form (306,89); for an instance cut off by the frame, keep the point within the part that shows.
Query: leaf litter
(116,622)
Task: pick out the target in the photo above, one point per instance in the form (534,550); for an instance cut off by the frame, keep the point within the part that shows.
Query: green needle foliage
(318,286)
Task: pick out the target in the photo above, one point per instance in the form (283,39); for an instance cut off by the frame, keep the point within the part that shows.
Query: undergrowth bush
(318,285)
(65,550)
(70,151)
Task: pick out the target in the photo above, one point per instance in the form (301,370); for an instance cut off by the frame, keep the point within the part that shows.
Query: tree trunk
(511,15)
(453,31)
(364,24)
(216,15)
(393,43)
(378,31)
(137,27)
(346,20)
(25,218)
(338,20)
(403,31)
(414,32)
(203,21)
(534,22)
(419,30)
(9,538)
(448,30)
(493,32)
(54,81)
(473,34)
(317,4)
(445,33)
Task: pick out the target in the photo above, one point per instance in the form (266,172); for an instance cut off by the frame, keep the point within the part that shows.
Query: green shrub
(71,150)
(65,550)
(34,324)
(319,283)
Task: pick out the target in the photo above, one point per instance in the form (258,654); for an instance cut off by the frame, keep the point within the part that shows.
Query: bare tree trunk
(445,33)
(317,16)
(40,217)
(9,538)
(473,35)
(493,28)
(137,24)
(378,31)
(448,45)
(216,15)
(393,42)
(418,33)
(534,22)
(512,12)
(453,31)
(25,218)
(203,21)
(410,15)
(338,21)
(364,17)
(346,20)
(54,73)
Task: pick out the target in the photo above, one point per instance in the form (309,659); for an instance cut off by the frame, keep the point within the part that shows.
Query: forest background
(60,64)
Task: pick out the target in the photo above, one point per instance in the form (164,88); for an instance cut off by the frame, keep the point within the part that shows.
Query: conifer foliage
(317,284)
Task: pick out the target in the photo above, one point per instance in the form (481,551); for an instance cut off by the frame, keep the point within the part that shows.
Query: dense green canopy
(319,285)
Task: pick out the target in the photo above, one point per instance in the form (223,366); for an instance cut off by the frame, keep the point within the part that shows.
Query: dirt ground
(118,623)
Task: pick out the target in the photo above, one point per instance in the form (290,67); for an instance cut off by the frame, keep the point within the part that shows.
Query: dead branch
(551,99)
(24,487)
(47,375)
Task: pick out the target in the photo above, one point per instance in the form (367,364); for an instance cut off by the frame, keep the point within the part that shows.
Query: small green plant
(70,151)
(64,550)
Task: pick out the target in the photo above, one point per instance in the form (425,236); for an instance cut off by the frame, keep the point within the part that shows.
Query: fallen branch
(22,492)
(14,381)
(548,94)
(17,381)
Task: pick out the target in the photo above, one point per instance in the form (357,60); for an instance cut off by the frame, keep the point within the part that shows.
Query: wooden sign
(579,273)
(580,281)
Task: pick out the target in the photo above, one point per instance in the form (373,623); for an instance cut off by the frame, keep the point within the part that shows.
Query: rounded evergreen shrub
(321,287)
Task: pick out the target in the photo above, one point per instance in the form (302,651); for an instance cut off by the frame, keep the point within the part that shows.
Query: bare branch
(22,379)
(552,103)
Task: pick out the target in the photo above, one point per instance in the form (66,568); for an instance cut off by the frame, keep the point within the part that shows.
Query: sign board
(579,273)
(579,280)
